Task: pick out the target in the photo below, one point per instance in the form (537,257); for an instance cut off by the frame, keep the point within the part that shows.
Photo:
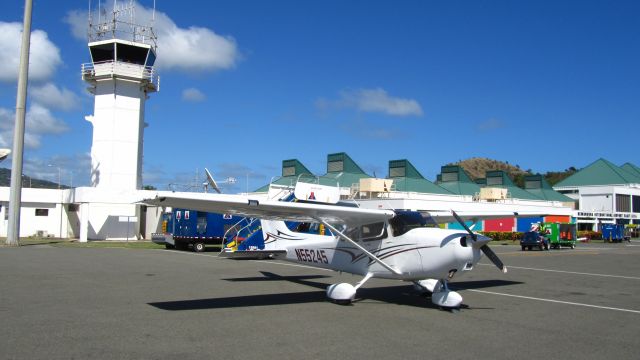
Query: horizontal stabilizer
(254,254)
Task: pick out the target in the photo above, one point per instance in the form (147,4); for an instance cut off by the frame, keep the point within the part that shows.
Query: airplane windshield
(408,220)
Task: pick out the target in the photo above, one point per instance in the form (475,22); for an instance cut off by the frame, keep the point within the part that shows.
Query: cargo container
(613,232)
(183,229)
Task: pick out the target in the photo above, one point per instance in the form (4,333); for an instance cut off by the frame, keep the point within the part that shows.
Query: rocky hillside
(476,168)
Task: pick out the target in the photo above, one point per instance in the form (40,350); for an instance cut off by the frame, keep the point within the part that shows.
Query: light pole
(59,173)
(15,198)
(61,199)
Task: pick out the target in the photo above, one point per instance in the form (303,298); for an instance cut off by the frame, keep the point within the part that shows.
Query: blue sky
(542,84)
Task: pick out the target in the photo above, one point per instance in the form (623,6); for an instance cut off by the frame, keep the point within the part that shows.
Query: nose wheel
(445,298)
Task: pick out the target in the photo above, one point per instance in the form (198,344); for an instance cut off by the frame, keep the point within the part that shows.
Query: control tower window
(101,53)
(132,54)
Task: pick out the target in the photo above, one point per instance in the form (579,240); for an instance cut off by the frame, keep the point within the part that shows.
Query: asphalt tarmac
(62,303)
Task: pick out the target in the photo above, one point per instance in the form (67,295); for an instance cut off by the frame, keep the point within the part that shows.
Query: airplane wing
(270,209)
(441,217)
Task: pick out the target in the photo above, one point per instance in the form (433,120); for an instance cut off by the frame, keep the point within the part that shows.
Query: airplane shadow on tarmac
(399,295)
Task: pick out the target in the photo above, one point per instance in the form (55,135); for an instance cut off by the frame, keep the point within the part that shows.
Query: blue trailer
(613,232)
(183,229)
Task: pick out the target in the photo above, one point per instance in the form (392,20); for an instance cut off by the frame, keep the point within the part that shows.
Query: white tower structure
(120,75)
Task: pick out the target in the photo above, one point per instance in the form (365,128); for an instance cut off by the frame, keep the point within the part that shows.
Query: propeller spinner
(485,248)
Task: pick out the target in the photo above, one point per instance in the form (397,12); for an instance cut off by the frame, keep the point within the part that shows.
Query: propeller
(485,248)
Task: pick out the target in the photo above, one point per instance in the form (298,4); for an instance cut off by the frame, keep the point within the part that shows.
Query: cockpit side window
(369,232)
(408,220)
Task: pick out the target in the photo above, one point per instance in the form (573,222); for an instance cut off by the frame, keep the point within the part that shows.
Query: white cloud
(373,100)
(193,95)
(55,98)
(39,121)
(187,49)
(44,56)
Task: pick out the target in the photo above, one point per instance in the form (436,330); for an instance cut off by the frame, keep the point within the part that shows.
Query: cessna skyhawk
(389,244)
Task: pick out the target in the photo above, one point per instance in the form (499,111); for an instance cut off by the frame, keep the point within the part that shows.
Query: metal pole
(13,232)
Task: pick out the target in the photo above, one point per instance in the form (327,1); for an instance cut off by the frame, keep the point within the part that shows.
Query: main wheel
(198,247)
(529,247)
(169,246)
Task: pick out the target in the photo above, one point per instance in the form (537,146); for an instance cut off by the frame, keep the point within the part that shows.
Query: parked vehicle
(534,239)
(560,235)
(188,229)
(614,233)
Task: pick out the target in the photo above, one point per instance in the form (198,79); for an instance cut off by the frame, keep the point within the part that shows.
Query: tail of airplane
(263,244)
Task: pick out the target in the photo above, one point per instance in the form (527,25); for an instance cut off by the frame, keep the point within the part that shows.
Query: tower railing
(111,68)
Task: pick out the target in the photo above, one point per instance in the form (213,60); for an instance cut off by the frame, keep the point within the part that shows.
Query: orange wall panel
(558,219)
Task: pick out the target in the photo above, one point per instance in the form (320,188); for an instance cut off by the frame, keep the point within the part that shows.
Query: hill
(477,168)
(5,180)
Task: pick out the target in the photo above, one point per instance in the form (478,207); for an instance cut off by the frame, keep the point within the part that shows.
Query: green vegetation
(134,244)
(477,168)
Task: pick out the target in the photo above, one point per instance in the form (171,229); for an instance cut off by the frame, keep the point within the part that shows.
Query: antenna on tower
(121,24)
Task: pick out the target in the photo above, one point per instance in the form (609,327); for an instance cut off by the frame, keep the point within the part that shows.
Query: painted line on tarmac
(555,301)
(292,265)
(190,253)
(569,272)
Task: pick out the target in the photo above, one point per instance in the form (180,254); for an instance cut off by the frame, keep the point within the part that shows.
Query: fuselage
(419,253)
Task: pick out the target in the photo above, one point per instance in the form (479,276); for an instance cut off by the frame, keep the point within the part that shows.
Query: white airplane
(385,244)
(4,153)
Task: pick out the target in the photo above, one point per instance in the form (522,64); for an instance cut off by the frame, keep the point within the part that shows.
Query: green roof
(341,162)
(629,167)
(418,185)
(600,172)
(407,178)
(500,179)
(403,168)
(293,167)
(538,185)
(453,179)
(342,171)
(292,170)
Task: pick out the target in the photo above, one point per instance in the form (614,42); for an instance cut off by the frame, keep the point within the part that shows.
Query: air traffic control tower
(120,75)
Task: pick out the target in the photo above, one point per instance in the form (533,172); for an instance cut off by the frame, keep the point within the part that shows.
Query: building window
(289,171)
(335,166)
(494,181)
(532,184)
(42,212)
(397,172)
(636,204)
(623,203)
(447,177)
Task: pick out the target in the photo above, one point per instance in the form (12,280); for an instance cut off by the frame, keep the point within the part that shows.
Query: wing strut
(370,255)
